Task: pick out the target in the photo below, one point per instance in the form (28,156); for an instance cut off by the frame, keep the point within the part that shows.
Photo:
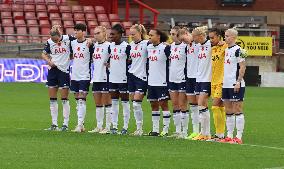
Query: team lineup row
(187,71)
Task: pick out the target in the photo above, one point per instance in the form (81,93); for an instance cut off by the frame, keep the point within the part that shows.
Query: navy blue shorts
(190,86)
(136,85)
(57,78)
(80,86)
(203,88)
(118,87)
(100,87)
(177,87)
(158,93)
(229,94)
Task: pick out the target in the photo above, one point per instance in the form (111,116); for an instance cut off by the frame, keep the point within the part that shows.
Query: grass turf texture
(26,105)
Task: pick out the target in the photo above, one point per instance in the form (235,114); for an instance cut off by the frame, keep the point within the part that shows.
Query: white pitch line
(250,145)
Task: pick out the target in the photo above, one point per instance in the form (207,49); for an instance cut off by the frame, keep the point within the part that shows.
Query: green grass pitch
(24,113)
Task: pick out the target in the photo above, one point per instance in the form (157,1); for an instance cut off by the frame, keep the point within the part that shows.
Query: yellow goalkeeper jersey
(218,55)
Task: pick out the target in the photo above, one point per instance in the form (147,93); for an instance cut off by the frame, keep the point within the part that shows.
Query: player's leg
(174,96)
(106,99)
(140,89)
(193,106)
(64,85)
(114,92)
(153,98)
(218,111)
(52,84)
(97,95)
(185,114)
(125,106)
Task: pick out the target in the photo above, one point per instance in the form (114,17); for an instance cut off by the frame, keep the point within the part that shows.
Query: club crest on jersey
(176,49)
(115,50)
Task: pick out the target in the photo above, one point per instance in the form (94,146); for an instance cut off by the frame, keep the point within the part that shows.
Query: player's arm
(45,55)
(242,71)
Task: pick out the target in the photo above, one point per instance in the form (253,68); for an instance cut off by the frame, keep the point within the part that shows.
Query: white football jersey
(192,60)
(158,64)
(138,54)
(60,52)
(177,67)
(81,67)
(118,66)
(204,69)
(100,58)
(231,67)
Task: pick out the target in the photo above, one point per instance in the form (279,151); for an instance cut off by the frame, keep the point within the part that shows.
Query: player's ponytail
(141,29)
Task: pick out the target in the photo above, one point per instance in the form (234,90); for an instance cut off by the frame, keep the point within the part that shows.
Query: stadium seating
(35,17)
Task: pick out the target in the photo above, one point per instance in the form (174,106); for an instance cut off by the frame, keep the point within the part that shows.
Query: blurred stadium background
(25,24)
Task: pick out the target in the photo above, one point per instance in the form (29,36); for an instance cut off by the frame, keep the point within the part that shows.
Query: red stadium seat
(6,15)
(18,15)
(44,31)
(40,2)
(42,16)
(22,2)
(69,31)
(29,8)
(41,8)
(127,25)
(18,7)
(65,9)
(21,38)
(30,15)
(8,29)
(90,16)
(7,22)
(44,23)
(5,7)
(54,16)
(56,22)
(100,10)
(52,9)
(92,30)
(32,2)
(52,2)
(102,18)
(20,23)
(92,24)
(68,24)
(79,17)
(83,22)
(105,24)
(77,9)
(32,22)
(67,16)
(34,31)
(114,18)
(114,23)
(88,9)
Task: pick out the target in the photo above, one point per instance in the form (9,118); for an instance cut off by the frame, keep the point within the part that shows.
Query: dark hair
(80,26)
(163,36)
(217,31)
(118,28)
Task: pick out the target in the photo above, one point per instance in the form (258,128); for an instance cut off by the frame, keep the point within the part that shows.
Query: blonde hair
(141,29)
(233,31)
(103,29)
(55,30)
(182,31)
(202,30)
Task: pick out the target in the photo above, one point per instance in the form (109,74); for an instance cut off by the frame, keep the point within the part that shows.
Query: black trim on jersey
(168,53)
(82,41)
(237,53)
(204,42)
(138,42)
(71,38)
(185,67)
(101,42)
(148,43)
(47,48)
(231,46)
(128,58)
(238,71)
(156,45)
